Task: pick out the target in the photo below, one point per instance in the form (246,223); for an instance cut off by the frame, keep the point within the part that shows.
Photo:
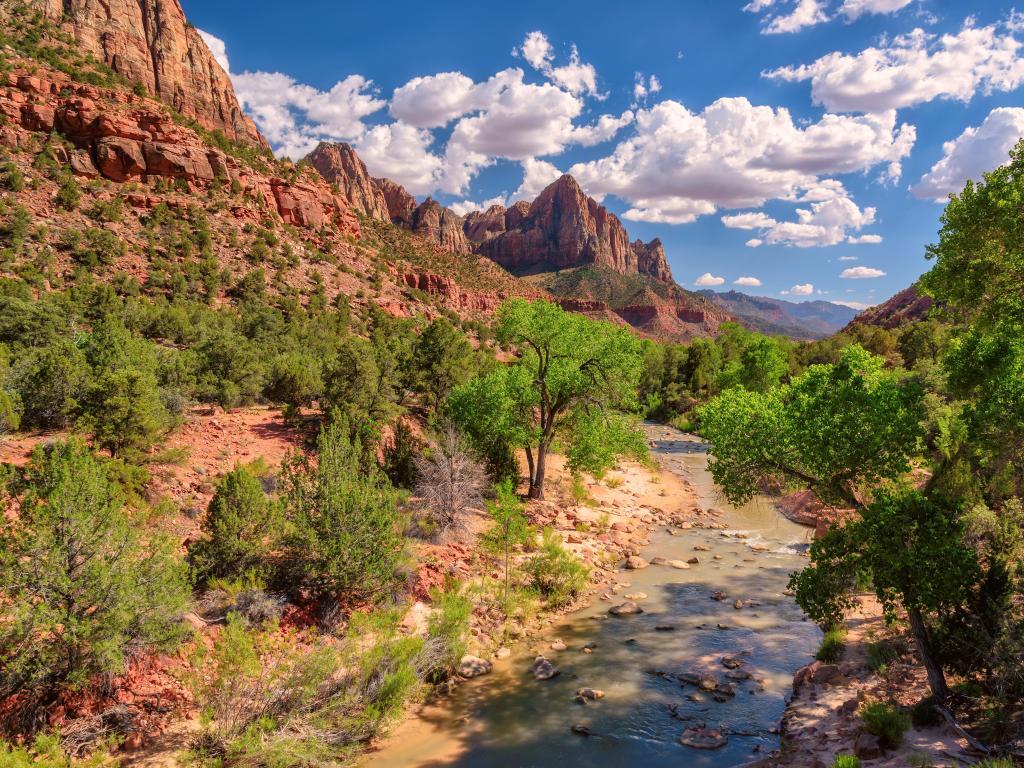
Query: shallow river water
(507,718)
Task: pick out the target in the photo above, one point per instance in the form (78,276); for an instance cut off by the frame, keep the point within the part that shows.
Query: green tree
(762,364)
(510,529)
(346,539)
(242,527)
(568,366)
(911,550)
(442,360)
(837,429)
(76,569)
(295,379)
(125,412)
(50,380)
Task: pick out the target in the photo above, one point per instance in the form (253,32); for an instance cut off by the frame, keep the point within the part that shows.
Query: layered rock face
(399,202)
(341,166)
(440,225)
(124,137)
(563,228)
(149,42)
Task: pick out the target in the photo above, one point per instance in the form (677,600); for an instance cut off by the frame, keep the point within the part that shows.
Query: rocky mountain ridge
(150,43)
(802,320)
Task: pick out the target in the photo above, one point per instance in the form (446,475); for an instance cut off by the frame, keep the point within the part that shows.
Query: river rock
(731,662)
(708,684)
(502,653)
(701,548)
(473,666)
(635,563)
(693,561)
(703,738)
(659,561)
(580,730)
(625,609)
(543,669)
(665,628)
(636,596)
(681,565)
(719,595)
(737,604)
(558,645)
(590,694)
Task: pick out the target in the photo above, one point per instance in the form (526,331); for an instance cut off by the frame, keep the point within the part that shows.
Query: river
(507,718)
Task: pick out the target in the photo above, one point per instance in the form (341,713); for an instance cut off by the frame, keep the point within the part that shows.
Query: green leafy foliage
(835,428)
(345,538)
(241,529)
(555,572)
(123,587)
(885,721)
(831,648)
(569,368)
(510,529)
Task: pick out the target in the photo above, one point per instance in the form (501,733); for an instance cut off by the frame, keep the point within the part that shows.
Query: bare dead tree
(450,480)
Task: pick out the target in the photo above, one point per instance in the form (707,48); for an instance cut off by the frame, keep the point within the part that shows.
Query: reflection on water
(508,719)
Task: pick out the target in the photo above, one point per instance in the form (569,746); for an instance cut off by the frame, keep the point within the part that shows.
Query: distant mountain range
(799,320)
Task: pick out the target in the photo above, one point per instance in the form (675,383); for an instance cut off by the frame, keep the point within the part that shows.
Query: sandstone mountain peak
(149,42)
(340,165)
(564,228)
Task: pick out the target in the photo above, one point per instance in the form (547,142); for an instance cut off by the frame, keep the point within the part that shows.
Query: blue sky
(788,142)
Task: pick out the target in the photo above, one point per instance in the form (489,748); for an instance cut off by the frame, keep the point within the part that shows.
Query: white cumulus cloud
(576,76)
(750,281)
(537,174)
(913,69)
(805,289)
(826,222)
(861,273)
(975,151)
(708,279)
(679,165)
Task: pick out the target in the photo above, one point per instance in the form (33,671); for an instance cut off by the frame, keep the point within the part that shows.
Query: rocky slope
(907,306)
(341,166)
(801,320)
(150,43)
(562,229)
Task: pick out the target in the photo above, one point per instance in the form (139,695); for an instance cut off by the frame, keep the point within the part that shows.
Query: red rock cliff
(564,228)
(149,42)
(340,165)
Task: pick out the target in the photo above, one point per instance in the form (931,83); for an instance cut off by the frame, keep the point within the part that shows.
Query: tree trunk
(936,678)
(529,465)
(537,483)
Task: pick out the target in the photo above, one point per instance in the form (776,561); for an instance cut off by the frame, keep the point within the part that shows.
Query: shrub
(242,526)
(831,649)
(447,628)
(885,721)
(846,761)
(401,454)
(294,379)
(121,591)
(880,655)
(450,480)
(46,752)
(995,762)
(11,177)
(125,411)
(346,538)
(49,380)
(556,572)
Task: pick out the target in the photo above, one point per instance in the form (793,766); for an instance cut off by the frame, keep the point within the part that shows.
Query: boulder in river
(590,694)
(703,738)
(635,563)
(718,595)
(627,608)
(681,565)
(543,669)
(580,730)
(473,666)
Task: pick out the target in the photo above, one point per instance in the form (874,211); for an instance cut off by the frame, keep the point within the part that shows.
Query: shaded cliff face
(149,42)
(340,165)
(399,202)
(441,226)
(561,229)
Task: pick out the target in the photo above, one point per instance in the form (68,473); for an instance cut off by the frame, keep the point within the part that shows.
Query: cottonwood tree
(570,369)
(450,480)
(847,431)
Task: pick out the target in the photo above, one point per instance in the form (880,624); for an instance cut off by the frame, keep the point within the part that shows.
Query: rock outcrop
(907,306)
(441,226)
(125,137)
(150,43)
(340,165)
(399,202)
(563,228)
